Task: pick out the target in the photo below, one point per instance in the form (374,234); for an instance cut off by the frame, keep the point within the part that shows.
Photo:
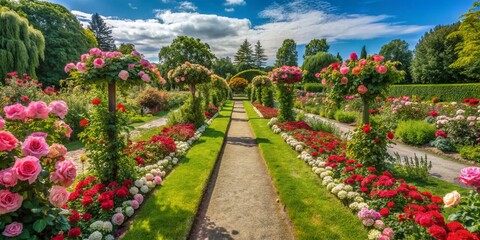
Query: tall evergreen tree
(287,54)
(363,54)
(340,59)
(102,32)
(244,54)
(21,46)
(315,46)
(259,57)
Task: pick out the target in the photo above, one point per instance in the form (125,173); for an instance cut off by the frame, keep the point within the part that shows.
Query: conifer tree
(102,32)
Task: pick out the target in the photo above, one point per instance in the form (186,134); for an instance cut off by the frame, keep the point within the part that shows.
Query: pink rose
(381,69)
(95,51)
(58,196)
(470,176)
(81,67)
(98,63)
(131,66)
(145,63)
(7,141)
(344,80)
(317,75)
(344,70)
(13,229)
(56,151)
(64,127)
(135,53)
(69,67)
(84,58)
(2,122)
(9,202)
(362,63)
(59,108)
(110,55)
(27,168)
(388,232)
(118,218)
(15,112)
(35,146)
(377,58)
(135,204)
(8,178)
(65,174)
(324,81)
(39,134)
(362,89)
(353,56)
(146,78)
(123,75)
(158,180)
(38,110)
(138,197)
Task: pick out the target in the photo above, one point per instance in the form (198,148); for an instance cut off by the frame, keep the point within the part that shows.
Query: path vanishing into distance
(441,168)
(241,201)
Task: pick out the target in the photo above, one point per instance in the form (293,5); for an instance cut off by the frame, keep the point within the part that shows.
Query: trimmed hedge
(313,87)
(446,92)
(249,74)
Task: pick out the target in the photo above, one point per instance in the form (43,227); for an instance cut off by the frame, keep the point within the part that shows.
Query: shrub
(313,87)
(315,63)
(153,99)
(413,168)
(320,125)
(238,84)
(189,116)
(470,153)
(345,117)
(267,96)
(415,132)
(149,152)
(179,132)
(446,92)
(444,144)
(249,74)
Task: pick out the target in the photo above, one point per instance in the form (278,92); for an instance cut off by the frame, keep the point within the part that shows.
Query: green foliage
(285,99)
(238,84)
(468,49)
(339,58)
(191,112)
(345,117)
(21,45)
(412,168)
(415,132)
(190,74)
(434,54)
(153,99)
(91,39)
(185,49)
(314,87)
(314,64)
(223,67)
(446,92)
(221,87)
(244,55)
(126,48)
(397,50)
(259,56)
(444,144)
(267,96)
(468,213)
(320,125)
(363,54)
(315,46)
(259,83)
(102,32)
(470,153)
(287,54)
(249,74)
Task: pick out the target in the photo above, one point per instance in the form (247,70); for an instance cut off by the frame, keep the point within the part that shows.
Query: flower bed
(267,112)
(388,206)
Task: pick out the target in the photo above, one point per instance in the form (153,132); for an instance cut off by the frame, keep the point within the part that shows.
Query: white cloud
(225,34)
(229,9)
(187,6)
(235,2)
(132,7)
(165,1)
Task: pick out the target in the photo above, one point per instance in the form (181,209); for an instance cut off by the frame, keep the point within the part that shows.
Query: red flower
(121,107)
(87,201)
(314,154)
(415,196)
(25,99)
(462,235)
(364,189)
(127,183)
(390,135)
(353,56)
(107,205)
(433,113)
(75,217)
(74,195)
(390,204)
(377,140)
(371,169)
(455,226)
(83,122)
(437,200)
(96,101)
(86,217)
(58,237)
(438,232)
(367,128)
(121,192)
(113,184)
(440,133)
(74,232)
(424,219)
(384,212)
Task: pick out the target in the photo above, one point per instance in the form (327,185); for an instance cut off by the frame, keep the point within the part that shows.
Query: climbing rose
(362,89)
(9,202)
(123,75)
(121,107)
(58,108)
(58,196)
(95,51)
(8,178)
(381,69)
(81,67)
(65,173)
(367,128)
(69,67)
(57,150)
(27,168)
(344,70)
(98,63)
(7,141)
(377,58)
(13,229)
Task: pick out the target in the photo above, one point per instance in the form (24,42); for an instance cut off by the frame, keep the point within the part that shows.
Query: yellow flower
(452,199)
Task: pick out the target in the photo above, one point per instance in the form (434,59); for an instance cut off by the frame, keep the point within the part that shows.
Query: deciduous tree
(287,54)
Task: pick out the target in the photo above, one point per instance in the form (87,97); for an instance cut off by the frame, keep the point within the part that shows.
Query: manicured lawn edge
(170,211)
(314,211)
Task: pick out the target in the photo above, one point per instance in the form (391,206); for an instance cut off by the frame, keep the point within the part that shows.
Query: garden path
(241,201)
(441,168)
(75,155)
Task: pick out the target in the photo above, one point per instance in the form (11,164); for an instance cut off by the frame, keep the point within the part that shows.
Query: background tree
(363,53)
(223,67)
(434,54)
(185,49)
(102,32)
(91,39)
(287,54)
(244,55)
(468,50)
(397,50)
(65,39)
(126,48)
(21,46)
(315,46)
(340,59)
(314,64)
(259,57)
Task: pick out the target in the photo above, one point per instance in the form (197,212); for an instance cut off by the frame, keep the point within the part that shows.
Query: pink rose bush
(190,74)
(33,170)
(286,75)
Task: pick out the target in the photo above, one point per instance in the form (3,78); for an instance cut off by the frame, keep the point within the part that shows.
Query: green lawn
(148,118)
(314,211)
(148,134)
(170,211)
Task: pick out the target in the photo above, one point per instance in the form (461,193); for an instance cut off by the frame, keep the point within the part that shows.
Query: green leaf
(39,225)
(27,204)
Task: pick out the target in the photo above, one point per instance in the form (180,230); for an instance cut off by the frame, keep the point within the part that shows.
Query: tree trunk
(192,90)
(366,113)
(112,97)
(112,135)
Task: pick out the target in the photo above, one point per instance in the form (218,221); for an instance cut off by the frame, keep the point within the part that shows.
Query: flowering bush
(267,112)
(286,75)
(238,84)
(20,89)
(190,74)
(147,152)
(179,132)
(284,78)
(34,173)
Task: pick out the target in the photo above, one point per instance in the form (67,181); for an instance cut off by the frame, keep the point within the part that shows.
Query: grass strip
(313,210)
(170,211)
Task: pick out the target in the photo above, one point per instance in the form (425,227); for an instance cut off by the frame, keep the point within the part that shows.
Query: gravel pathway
(241,202)
(441,168)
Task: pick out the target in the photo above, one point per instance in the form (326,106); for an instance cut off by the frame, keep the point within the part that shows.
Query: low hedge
(249,74)
(314,87)
(446,92)
(415,132)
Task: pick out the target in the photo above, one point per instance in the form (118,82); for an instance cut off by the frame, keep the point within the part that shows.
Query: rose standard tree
(106,128)
(285,78)
(370,78)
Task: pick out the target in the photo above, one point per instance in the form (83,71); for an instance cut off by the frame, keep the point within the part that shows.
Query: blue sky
(224,24)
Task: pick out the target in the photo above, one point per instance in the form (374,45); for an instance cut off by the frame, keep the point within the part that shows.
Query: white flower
(330,186)
(352,195)
(118,219)
(353,206)
(139,183)
(150,184)
(359,199)
(374,234)
(134,190)
(144,189)
(460,112)
(129,211)
(118,210)
(97,225)
(107,226)
(109,237)
(342,194)
(95,236)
